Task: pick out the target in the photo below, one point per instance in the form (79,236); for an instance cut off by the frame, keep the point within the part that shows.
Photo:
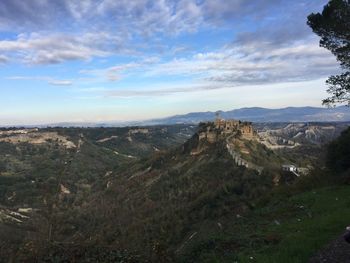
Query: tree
(338,153)
(333,26)
(3,166)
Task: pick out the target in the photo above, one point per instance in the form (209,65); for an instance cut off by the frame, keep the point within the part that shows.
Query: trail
(338,251)
(295,173)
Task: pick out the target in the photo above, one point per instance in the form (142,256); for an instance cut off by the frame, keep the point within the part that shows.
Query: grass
(289,228)
(299,226)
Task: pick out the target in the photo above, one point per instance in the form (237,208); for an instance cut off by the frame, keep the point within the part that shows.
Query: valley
(174,131)
(156,193)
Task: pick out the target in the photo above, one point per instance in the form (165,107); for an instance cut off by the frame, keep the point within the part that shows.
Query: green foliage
(135,144)
(307,222)
(172,206)
(61,253)
(338,154)
(339,87)
(333,28)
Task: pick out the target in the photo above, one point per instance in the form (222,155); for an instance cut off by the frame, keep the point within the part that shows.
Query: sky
(122,60)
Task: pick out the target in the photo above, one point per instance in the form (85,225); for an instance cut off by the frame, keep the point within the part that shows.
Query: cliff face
(242,144)
(291,135)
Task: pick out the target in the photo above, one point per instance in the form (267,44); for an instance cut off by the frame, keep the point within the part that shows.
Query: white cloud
(146,17)
(109,27)
(60,82)
(49,80)
(117,72)
(57,48)
(164,91)
(242,64)
(267,53)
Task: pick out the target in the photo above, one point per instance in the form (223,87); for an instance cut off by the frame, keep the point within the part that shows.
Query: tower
(217,114)
(217,119)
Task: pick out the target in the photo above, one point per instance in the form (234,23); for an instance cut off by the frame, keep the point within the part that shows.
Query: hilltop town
(242,142)
(221,128)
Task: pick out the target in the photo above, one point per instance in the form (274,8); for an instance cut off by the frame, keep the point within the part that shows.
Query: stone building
(228,126)
(233,126)
(209,134)
(246,130)
(222,128)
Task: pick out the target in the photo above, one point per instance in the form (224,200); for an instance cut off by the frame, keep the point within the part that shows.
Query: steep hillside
(151,208)
(200,201)
(292,134)
(294,141)
(41,167)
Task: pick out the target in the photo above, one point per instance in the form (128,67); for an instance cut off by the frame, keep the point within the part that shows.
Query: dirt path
(337,251)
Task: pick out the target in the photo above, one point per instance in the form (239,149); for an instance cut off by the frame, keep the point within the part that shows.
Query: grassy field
(288,228)
(294,228)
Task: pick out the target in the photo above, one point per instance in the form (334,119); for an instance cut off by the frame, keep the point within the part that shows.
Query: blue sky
(117,60)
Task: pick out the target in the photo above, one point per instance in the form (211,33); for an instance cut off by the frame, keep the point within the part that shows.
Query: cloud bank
(269,43)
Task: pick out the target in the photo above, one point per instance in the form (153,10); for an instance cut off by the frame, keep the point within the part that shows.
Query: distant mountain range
(256,114)
(253,114)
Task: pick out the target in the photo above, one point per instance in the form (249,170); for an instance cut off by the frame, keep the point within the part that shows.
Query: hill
(212,193)
(256,114)
(253,114)
(151,208)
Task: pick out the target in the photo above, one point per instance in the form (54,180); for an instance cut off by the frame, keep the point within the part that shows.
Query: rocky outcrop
(225,131)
